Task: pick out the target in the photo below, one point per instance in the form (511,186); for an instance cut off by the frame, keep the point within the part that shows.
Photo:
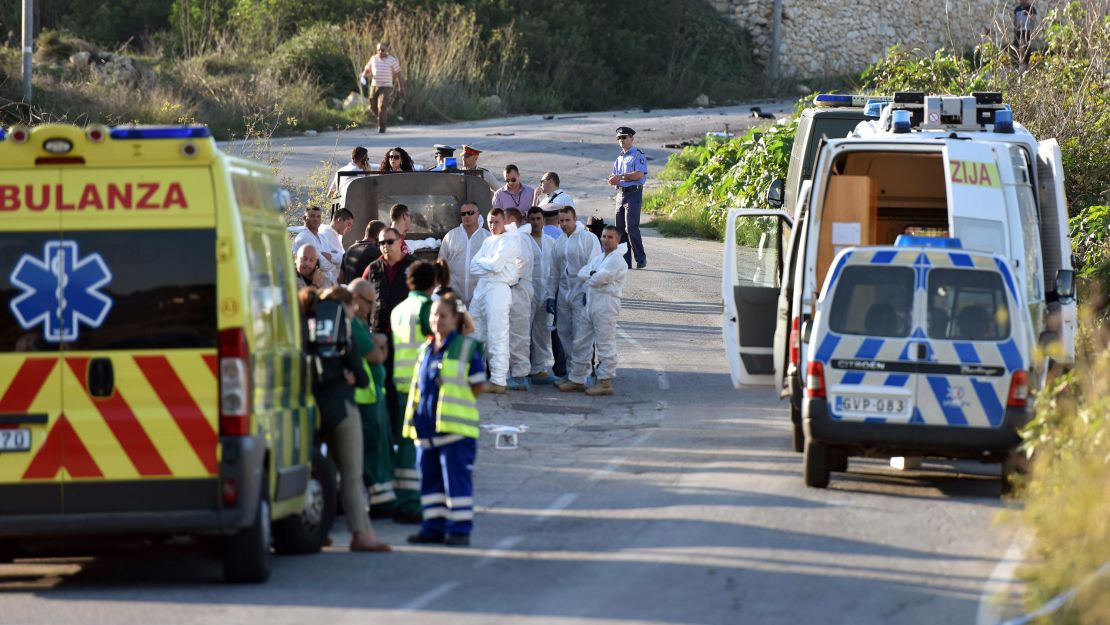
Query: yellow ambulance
(152,382)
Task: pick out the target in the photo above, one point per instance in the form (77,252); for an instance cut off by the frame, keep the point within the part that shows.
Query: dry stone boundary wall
(838,37)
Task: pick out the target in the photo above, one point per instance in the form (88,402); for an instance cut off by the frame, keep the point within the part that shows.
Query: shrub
(318,53)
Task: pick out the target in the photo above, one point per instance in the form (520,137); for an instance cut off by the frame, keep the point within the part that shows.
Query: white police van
(917,349)
(954,166)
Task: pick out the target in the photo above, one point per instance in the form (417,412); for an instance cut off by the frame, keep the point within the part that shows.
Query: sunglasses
(393,156)
(467,213)
(622,137)
(511,180)
(387,241)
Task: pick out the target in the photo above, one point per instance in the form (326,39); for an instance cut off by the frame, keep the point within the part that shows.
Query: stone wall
(837,37)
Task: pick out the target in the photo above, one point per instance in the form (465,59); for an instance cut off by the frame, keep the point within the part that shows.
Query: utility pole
(28,22)
(776,36)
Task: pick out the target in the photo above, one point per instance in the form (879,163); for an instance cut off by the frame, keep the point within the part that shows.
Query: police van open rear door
(30,369)
(976,202)
(755,241)
(1056,244)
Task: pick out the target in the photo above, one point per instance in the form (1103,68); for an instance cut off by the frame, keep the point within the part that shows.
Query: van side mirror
(1065,285)
(776,193)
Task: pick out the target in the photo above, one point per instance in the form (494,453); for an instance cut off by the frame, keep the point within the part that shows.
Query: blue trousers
(628,222)
(447,487)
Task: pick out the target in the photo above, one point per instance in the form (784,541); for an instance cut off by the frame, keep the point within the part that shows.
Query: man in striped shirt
(385,73)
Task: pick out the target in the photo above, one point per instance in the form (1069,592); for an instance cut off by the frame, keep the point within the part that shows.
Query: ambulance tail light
(795,341)
(19,134)
(97,133)
(235,383)
(1019,390)
(230,491)
(815,379)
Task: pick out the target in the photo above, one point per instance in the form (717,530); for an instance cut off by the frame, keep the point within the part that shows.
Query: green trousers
(377,464)
(406,478)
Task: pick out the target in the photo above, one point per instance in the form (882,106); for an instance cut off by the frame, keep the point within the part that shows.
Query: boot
(567,386)
(543,377)
(518,384)
(603,387)
(496,389)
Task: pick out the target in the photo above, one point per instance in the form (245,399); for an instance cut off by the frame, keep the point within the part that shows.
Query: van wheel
(816,464)
(307,531)
(796,421)
(838,460)
(247,558)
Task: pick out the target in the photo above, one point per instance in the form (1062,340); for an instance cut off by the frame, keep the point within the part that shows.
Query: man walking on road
(459,247)
(498,269)
(629,176)
(385,74)
(604,276)
(571,254)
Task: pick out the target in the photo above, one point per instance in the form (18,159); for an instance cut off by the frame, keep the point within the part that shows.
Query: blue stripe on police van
(960,259)
(852,378)
(941,390)
(1010,355)
(869,348)
(897,379)
(883,257)
(839,266)
(827,346)
(1006,276)
(917,418)
(967,354)
(989,400)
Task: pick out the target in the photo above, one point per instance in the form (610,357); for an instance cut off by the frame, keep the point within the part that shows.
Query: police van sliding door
(139,379)
(755,241)
(31,335)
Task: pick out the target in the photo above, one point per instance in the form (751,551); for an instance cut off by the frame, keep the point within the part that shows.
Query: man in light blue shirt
(629,175)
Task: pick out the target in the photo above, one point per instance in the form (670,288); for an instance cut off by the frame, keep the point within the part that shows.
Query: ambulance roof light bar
(947,112)
(160,132)
(837,100)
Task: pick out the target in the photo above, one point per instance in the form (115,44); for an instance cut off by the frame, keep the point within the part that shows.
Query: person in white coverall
(545,280)
(459,247)
(604,278)
(520,313)
(571,254)
(497,266)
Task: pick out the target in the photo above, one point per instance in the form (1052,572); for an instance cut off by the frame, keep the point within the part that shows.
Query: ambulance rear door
(30,343)
(1056,244)
(139,376)
(755,241)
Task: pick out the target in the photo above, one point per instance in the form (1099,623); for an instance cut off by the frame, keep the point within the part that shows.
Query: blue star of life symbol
(61,291)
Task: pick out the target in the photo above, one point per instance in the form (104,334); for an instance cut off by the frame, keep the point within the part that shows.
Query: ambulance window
(967,305)
(271,319)
(873,301)
(133,289)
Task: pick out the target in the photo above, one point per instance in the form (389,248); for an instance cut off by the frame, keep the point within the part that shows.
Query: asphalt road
(678,500)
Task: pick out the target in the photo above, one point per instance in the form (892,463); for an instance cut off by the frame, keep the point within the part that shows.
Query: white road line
(562,502)
(989,612)
(606,470)
(427,598)
(498,550)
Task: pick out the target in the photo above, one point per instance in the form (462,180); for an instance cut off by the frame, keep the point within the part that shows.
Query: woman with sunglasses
(396,159)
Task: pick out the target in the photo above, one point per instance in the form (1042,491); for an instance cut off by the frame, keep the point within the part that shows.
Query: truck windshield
(873,301)
(967,305)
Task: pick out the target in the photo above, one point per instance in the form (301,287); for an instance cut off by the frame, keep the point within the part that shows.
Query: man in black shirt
(361,253)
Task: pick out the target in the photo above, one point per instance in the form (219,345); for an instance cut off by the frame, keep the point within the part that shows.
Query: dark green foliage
(318,51)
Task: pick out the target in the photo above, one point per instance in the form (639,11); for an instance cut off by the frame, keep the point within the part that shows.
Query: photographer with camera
(336,370)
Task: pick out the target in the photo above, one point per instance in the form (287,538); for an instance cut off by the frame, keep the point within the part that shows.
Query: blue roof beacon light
(160,132)
(832,99)
(1004,121)
(909,240)
(900,121)
(875,108)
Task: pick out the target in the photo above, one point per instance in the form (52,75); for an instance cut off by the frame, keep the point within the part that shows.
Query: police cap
(444,150)
(625,130)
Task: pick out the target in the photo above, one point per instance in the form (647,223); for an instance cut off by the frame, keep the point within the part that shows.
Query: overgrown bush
(320,54)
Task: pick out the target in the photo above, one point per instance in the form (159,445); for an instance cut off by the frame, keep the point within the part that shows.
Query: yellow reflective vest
(408,336)
(457,408)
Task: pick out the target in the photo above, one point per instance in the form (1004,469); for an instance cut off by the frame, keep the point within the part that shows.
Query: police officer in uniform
(445,158)
(629,175)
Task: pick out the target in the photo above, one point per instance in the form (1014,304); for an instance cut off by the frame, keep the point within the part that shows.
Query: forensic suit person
(497,266)
(545,281)
(571,254)
(520,313)
(604,278)
(459,247)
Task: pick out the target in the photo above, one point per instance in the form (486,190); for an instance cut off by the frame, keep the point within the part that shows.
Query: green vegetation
(289,62)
